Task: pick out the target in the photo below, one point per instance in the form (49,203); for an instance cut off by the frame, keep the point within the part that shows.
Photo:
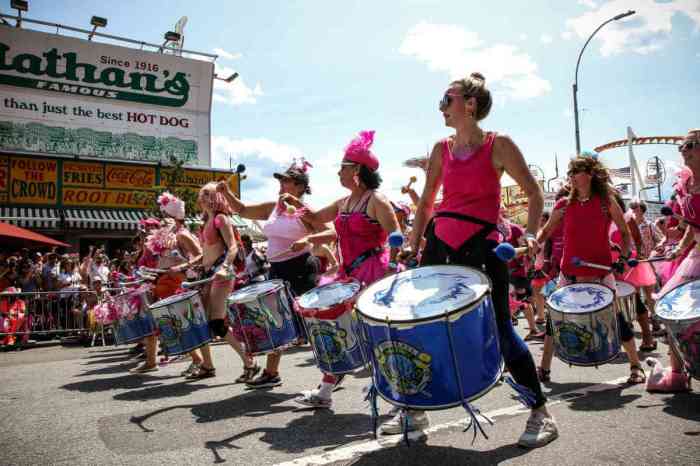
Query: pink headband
(358,151)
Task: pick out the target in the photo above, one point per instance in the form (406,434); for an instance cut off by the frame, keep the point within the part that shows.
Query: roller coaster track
(671,140)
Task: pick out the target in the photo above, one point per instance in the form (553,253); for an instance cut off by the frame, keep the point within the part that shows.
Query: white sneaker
(312,399)
(539,431)
(417,420)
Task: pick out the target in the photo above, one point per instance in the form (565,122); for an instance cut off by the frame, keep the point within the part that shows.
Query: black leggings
(515,352)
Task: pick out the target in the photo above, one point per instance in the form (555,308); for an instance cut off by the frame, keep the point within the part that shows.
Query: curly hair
(474,85)
(600,178)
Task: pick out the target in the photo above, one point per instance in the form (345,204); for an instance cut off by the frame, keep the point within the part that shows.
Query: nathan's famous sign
(62,95)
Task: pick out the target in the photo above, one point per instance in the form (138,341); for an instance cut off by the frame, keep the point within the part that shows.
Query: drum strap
(361,258)
(487,228)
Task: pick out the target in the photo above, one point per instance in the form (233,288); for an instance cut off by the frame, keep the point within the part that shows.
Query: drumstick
(150,270)
(404,189)
(132,283)
(581,263)
(634,262)
(668,212)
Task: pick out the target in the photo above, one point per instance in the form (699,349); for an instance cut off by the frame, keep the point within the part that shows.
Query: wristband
(530,236)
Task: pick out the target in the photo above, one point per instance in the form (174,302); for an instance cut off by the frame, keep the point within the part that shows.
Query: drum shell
(264,323)
(627,306)
(422,349)
(598,335)
(138,326)
(182,324)
(336,343)
(686,339)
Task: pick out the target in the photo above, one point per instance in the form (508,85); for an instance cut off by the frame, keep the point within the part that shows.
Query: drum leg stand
(471,410)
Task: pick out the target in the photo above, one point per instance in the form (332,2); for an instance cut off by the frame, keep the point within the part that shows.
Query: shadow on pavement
(422,454)
(107,359)
(179,389)
(682,405)
(253,404)
(127,381)
(603,401)
(320,428)
(113,369)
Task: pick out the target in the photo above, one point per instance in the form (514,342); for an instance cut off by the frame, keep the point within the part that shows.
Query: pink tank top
(282,229)
(357,234)
(586,228)
(470,187)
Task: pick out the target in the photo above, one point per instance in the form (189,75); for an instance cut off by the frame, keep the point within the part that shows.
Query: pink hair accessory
(171,205)
(358,151)
(302,164)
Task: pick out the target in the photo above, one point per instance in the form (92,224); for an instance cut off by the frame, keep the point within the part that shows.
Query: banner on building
(43,181)
(63,95)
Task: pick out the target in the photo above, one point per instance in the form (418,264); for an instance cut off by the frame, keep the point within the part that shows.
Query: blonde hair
(475,86)
(216,202)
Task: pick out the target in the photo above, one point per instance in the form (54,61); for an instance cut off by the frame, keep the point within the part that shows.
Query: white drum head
(251,292)
(423,293)
(581,298)
(326,296)
(624,289)
(174,299)
(681,303)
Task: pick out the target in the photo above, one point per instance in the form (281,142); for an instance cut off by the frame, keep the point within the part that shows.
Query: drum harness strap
(487,228)
(361,258)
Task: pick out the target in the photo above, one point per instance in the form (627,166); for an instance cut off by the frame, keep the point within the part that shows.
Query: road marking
(348,453)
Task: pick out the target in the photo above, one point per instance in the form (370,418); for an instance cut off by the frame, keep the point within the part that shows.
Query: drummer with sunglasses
(586,215)
(688,195)
(469,166)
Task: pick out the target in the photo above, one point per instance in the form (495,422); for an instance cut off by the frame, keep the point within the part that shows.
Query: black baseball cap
(296,175)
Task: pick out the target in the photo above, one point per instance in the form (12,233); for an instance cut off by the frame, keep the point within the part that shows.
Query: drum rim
(546,303)
(327,308)
(427,320)
(466,308)
(671,319)
(279,284)
(634,289)
(182,296)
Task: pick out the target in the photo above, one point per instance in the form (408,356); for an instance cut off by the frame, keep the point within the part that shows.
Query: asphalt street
(74,405)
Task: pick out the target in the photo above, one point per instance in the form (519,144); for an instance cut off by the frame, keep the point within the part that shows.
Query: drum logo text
(405,368)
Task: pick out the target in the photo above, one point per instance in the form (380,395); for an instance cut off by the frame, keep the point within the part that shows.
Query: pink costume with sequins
(689,269)
(362,244)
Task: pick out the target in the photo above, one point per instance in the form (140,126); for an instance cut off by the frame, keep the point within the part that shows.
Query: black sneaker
(265,380)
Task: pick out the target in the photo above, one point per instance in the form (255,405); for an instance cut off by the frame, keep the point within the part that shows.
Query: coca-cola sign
(130,177)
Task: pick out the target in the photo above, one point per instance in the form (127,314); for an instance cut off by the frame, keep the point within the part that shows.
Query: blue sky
(313,73)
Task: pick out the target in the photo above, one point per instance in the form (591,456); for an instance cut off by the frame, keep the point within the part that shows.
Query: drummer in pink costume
(688,195)
(586,215)
(362,224)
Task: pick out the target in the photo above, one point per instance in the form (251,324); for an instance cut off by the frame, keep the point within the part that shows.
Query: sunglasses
(688,145)
(575,172)
(447,99)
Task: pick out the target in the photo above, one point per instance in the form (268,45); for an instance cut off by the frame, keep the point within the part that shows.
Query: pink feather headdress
(358,151)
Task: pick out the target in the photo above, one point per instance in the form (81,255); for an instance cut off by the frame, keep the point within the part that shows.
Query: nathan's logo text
(118,84)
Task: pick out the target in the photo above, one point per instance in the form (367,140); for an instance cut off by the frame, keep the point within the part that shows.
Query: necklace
(466,150)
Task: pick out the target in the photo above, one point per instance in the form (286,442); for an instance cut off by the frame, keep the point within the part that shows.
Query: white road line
(347,453)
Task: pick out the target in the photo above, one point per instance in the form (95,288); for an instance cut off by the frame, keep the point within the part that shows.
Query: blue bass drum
(182,322)
(584,324)
(332,327)
(261,316)
(679,310)
(431,336)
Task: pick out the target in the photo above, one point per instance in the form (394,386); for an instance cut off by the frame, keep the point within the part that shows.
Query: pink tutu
(688,270)
(641,275)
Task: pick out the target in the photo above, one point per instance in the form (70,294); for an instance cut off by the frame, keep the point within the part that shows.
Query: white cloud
(523,36)
(262,157)
(227,55)
(645,32)
(546,39)
(588,3)
(236,92)
(456,51)
(567,35)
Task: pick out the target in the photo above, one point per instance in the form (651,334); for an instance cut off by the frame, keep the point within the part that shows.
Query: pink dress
(361,236)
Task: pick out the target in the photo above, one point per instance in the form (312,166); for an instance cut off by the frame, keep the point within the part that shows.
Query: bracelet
(530,236)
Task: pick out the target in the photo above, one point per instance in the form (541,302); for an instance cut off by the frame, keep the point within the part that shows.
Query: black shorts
(301,272)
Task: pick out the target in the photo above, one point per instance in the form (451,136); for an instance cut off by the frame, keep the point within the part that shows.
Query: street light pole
(578,62)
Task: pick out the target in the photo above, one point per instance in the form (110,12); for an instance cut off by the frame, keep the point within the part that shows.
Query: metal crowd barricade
(48,314)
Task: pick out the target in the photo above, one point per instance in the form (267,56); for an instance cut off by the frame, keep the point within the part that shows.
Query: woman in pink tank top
(469,165)
(362,224)
(284,225)
(688,195)
(586,215)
